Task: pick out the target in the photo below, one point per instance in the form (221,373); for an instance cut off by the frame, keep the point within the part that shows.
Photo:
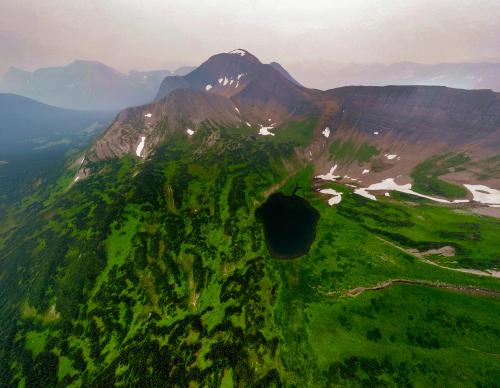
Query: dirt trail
(488,273)
(391,282)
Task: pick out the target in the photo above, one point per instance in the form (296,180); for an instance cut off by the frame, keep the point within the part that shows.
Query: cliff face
(426,111)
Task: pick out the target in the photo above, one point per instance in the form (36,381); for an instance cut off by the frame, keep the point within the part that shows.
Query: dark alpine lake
(289,225)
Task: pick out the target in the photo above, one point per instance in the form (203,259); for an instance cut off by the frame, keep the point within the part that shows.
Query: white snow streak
(189,131)
(330,176)
(365,194)
(208,87)
(326,132)
(140,146)
(337,197)
(389,184)
(484,194)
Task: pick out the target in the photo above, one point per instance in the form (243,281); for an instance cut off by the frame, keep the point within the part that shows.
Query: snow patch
(239,52)
(387,194)
(189,131)
(389,156)
(76,179)
(148,115)
(484,194)
(208,87)
(264,131)
(337,197)
(365,172)
(389,184)
(330,176)
(375,133)
(326,132)
(225,81)
(365,193)
(237,110)
(140,146)
(248,124)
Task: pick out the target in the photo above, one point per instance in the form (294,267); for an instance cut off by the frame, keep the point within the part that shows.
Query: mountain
(85,85)
(243,87)
(260,233)
(454,75)
(224,74)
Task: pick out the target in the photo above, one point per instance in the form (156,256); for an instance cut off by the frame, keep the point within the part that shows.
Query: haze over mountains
(86,85)
(90,85)
(327,75)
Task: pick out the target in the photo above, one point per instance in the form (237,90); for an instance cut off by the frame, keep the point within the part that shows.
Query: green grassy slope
(155,273)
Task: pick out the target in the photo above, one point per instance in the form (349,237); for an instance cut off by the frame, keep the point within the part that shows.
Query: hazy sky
(152,34)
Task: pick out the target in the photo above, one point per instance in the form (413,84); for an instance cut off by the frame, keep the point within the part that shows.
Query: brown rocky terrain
(406,124)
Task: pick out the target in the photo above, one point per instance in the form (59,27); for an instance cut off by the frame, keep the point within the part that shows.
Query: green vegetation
(348,152)
(426,176)
(425,226)
(156,273)
(297,133)
(488,168)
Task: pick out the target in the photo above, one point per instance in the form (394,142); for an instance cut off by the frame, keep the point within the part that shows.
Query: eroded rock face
(407,124)
(182,109)
(423,113)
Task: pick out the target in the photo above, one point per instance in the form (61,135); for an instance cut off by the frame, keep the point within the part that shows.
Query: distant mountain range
(86,85)
(90,85)
(455,75)
(27,125)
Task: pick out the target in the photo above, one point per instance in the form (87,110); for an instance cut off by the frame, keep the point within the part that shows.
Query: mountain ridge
(85,85)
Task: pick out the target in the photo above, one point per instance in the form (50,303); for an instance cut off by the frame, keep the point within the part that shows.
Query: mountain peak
(239,52)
